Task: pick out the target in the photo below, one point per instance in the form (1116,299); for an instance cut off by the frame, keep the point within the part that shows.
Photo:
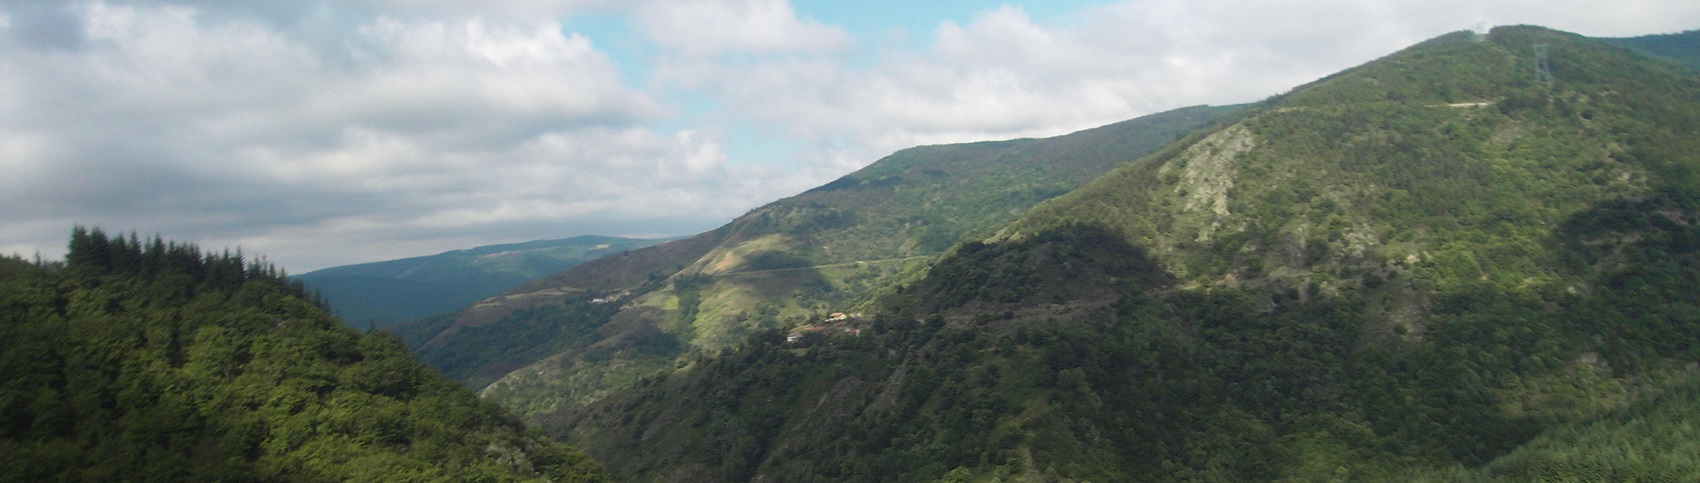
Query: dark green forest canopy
(154,361)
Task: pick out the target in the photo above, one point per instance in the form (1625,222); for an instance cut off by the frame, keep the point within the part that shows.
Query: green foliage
(1069,262)
(1218,385)
(1654,441)
(1646,255)
(153,362)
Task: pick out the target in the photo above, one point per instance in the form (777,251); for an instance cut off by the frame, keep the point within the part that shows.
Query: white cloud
(228,130)
(335,132)
(1004,74)
(712,27)
(515,8)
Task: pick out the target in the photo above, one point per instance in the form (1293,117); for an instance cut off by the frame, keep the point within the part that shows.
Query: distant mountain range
(378,294)
(1680,48)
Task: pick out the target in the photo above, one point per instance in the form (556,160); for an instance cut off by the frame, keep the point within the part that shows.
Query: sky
(318,133)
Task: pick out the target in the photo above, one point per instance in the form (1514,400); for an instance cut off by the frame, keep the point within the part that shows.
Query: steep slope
(142,361)
(1422,262)
(565,339)
(375,295)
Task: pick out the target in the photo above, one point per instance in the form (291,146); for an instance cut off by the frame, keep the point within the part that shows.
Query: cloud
(234,129)
(1005,74)
(998,76)
(323,133)
(713,27)
(44,25)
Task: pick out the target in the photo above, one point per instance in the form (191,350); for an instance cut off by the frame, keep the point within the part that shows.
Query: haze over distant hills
(378,294)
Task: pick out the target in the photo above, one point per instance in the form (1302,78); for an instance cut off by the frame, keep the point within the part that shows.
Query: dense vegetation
(1657,440)
(1161,384)
(378,294)
(152,361)
(827,250)
(1436,265)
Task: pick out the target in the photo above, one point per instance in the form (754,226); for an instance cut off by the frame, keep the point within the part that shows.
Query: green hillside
(1655,440)
(1413,267)
(567,339)
(379,294)
(151,361)
(1680,48)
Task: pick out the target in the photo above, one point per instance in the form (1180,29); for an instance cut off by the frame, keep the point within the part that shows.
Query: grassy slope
(382,293)
(1421,262)
(825,250)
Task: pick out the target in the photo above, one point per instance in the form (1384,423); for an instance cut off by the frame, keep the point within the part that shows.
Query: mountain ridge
(1679,48)
(825,250)
(377,294)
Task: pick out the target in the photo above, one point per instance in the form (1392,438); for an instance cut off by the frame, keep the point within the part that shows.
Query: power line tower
(1543,70)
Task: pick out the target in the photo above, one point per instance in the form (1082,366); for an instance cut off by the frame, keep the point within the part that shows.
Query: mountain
(1454,256)
(379,294)
(569,338)
(151,361)
(1680,48)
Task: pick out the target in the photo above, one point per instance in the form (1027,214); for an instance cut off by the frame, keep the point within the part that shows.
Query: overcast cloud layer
(322,133)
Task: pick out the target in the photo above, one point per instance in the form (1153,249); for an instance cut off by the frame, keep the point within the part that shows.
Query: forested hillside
(568,339)
(378,294)
(152,361)
(1654,440)
(1449,263)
